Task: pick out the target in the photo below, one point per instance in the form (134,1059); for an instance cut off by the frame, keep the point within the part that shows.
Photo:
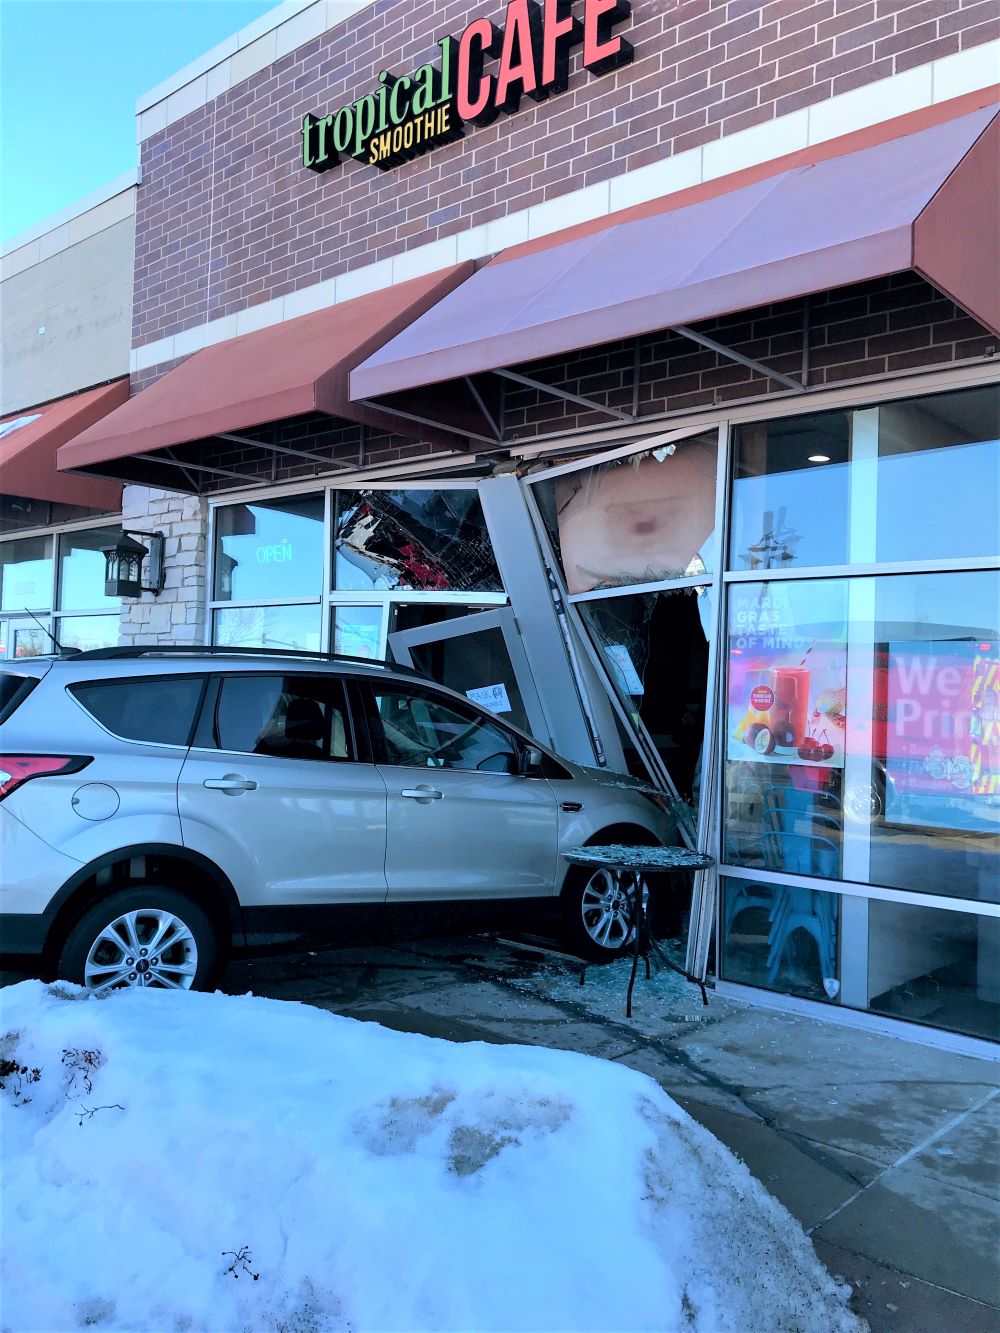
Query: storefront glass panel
(269,550)
(784,726)
(477,665)
(30,640)
(82,569)
(269,627)
(862,730)
(643,519)
(911,480)
(357,631)
(791,492)
(428,540)
(87,632)
(26,574)
(781,938)
(655,649)
(939,477)
(930,966)
(924,964)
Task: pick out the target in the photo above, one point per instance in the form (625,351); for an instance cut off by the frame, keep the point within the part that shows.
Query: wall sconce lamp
(123,565)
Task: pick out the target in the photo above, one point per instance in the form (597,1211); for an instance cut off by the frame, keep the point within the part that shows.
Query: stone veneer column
(177,615)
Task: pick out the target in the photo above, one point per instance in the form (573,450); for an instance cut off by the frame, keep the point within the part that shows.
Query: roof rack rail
(126,652)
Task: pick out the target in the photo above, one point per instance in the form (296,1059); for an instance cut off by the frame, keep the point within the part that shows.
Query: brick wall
(864,331)
(227,217)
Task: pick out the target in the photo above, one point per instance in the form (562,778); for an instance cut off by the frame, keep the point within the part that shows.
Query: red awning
(291,369)
(30,440)
(926,201)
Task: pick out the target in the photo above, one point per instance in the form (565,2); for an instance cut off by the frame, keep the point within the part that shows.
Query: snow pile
(207,1162)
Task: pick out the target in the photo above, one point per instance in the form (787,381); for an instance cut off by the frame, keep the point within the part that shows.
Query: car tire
(597,922)
(118,943)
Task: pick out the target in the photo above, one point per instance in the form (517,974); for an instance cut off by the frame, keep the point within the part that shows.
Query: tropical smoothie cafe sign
(479,75)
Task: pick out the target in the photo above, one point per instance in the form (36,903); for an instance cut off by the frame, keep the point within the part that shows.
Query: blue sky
(70,73)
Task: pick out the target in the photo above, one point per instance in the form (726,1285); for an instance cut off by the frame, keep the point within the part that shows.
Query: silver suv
(158,805)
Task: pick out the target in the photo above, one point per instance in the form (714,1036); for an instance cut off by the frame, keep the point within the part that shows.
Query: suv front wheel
(142,936)
(598,913)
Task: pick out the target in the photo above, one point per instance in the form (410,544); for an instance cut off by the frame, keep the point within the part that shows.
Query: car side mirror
(531,760)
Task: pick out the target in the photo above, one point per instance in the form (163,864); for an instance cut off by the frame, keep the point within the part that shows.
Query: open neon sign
(478,76)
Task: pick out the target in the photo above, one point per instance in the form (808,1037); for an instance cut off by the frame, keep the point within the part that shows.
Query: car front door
(278,792)
(463,821)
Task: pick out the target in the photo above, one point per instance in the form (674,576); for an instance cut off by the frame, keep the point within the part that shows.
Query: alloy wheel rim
(606,909)
(147,947)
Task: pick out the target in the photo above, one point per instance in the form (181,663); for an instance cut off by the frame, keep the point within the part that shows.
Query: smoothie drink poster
(787,701)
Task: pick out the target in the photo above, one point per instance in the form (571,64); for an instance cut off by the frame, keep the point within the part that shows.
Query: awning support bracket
(461,432)
(566,396)
(488,415)
(192,480)
(757,366)
(267,446)
(188,468)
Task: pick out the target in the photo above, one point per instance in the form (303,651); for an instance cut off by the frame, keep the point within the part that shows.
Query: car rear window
(160,710)
(13,692)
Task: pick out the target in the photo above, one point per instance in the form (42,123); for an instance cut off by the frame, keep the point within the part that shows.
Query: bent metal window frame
(329,598)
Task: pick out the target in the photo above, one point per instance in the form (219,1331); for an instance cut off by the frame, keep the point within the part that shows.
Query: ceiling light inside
(819,458)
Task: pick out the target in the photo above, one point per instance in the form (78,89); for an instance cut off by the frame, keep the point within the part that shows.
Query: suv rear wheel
(146,935)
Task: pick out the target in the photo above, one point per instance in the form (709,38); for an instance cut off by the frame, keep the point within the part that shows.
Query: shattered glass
(430,541)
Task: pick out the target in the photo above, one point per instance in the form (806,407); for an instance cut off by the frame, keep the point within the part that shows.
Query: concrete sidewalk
(886,1151)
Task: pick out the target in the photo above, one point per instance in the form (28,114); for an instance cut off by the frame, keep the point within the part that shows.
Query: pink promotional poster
(787,690)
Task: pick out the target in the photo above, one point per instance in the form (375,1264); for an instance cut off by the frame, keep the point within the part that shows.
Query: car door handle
(233,783)
(421,794)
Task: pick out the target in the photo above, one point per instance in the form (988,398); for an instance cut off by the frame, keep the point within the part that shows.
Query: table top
(647,860)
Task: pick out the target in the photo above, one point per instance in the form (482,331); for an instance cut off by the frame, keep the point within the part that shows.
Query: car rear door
(463,821)
(279,790)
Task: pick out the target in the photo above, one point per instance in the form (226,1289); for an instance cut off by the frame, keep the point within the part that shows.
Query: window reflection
(33,641)
(926,474)
(295,627)
(82,569)
(87,632)
(790,492)
(935,967)
(429,540)
(939,476)
(269,550)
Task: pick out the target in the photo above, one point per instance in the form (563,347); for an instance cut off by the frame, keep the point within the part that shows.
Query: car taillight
(16,769)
